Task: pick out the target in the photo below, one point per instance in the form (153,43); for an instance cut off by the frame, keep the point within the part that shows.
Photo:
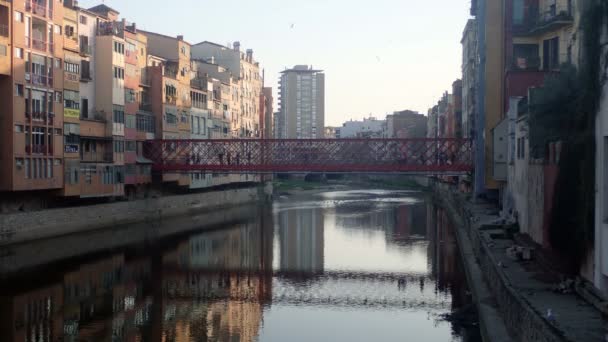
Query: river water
(358,265)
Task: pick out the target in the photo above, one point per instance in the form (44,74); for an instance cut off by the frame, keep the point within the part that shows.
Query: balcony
(171,100)
(40,80)
(525,63)
(85,76)
(113,28)
(198,83)
(145,107)
(517,82)
(539,23)
(171,73)
(37,8)
(39,149)
(39,45)
(86,50)
(3,30)
(94,157)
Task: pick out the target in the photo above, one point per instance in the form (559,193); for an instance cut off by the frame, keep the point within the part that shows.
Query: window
(58,97)
(27,168)
(71,99)
(58,63)
(18,16)
(69,31)
(19,53)
(129,95)
(3,50)
(145,123)
(84,112)
(131,49)
(170,90)
(118,114)
(18,128)
(199,100)
(19,90)
(518,12)
(119,73)
(71,67)
(184,117)
(171,118)
(119,48)
(57,29)
(119,146)
(130,146)
(83,20)
(130,121)
(551,53)
(183,50)
(71,172)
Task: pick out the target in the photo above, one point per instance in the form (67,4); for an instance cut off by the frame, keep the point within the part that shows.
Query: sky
(378,56)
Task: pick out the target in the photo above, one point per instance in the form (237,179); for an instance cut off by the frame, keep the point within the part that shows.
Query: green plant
(569,114)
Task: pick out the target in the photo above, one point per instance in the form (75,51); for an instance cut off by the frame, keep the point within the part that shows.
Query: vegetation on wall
(566,110)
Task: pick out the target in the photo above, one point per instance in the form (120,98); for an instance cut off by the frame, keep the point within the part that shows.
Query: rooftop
(178,38)
(301,68)
(103,9)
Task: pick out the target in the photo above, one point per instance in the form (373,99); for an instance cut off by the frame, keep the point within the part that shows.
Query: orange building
(31,81)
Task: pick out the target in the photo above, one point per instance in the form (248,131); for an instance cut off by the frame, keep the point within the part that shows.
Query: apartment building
(301,104)
(31,81)
(469,70)
(171,73)
(268,110)
(406,124)
(539,38)
(366,128)
(247,87)
(71,97)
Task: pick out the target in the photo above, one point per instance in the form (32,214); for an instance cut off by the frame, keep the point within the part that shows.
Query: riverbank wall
(493,327)
(23,227)
(512,297)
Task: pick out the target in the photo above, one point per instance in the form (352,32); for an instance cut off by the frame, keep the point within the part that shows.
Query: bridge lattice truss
(426,156)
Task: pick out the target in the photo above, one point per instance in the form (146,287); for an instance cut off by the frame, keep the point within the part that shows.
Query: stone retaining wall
(20,227)
(522,322)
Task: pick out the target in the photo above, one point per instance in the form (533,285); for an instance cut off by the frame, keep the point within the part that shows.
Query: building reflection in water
(219,285)
(301,241)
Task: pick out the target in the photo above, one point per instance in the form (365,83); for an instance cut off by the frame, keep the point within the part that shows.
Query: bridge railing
(311,155)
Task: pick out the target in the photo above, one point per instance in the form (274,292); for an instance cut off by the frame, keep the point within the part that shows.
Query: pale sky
(378,56)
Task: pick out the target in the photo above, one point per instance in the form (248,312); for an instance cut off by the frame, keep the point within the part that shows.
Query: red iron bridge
(410,156)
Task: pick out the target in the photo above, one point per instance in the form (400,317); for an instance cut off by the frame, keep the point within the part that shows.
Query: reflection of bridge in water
(330,288)
(413,156)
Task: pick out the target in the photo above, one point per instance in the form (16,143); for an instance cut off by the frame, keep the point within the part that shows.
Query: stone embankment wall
(21,227)
(521,321)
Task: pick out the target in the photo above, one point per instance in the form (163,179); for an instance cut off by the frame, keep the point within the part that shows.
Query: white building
(301,104)
(367,128)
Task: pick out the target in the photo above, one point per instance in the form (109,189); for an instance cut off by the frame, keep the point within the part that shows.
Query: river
(356,265)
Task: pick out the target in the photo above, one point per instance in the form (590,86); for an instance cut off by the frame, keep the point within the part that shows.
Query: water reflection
(337,266)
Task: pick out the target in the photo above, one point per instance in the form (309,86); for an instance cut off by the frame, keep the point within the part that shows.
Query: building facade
(406,124)
(366,128)
(241,73)
(170,76)
(301,104)
(268,101)
(469,70)
(31,81)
